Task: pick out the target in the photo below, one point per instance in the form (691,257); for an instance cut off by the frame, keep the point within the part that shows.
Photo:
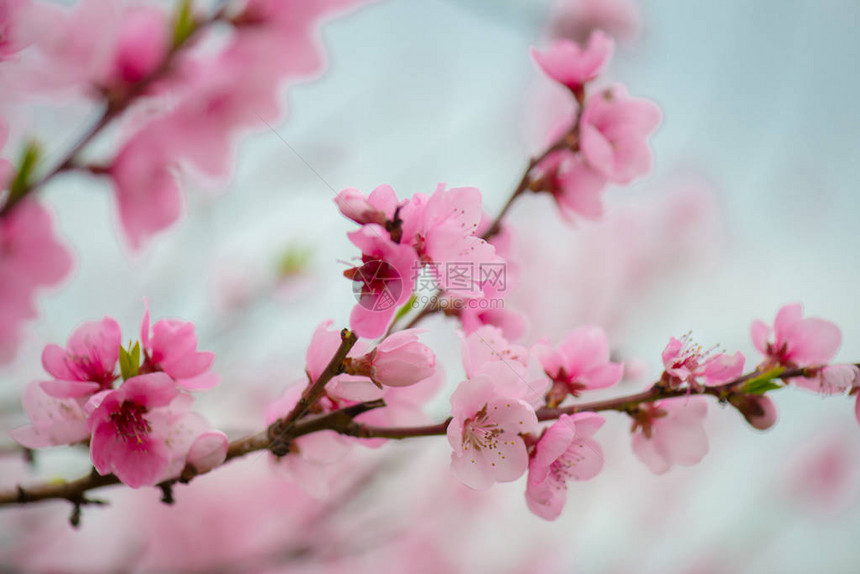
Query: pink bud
(758,410)
(400,360)
(208,451)
(354,205)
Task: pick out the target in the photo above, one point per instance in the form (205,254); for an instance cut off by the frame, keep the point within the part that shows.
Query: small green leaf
(293,260)
(129,361)
(763,383)
(24,175)
(183,23)
(408,306)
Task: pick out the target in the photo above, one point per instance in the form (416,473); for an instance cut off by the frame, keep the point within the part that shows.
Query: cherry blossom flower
(830,380)
(670,432)
(11,40)
(486,344)
(794,341)
(576,187)
(487,418)
(614,131)
(134,429)
(572,66)
(324,343)
(142,44)
(147,194)
(443,230)
(88,363)
(400,360)
(53,421)
(384,281)
(581,362)
(30,257)
(565,452)
(686,362)
(171,346)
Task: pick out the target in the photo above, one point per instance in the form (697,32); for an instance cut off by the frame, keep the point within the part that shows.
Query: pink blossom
(379,207)
(130,427)
(685,362)
(487,418)
(87,364)
(576,187)
(148,196)
(581,362)
(572,66)
(384,281)
(794,341)
(488,344)
(142,44)
(11,40)
(53,421)
(830,380)
(565,452)
(171,347)
(614,131)
(670,432)
(400,360)
(473,316)
(30,256)
(443,230)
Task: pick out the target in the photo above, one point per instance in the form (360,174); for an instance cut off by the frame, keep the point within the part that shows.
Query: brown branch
(343,421)
(75,491)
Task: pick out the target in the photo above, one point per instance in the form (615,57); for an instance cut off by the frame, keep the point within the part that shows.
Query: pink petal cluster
(491,409)
(685,362)
(580,362)
(316,460)
(573,66)
(488,417)
(143,430)
(576,186)
(565,452)
(88,363)
(400,238)
(670,432)
(614,131)
(171,347)
(794,341)
(30,257)
(12,40)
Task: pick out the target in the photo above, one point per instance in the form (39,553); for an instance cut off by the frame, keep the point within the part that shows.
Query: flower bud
(354,205)
(400,361)
(758,410)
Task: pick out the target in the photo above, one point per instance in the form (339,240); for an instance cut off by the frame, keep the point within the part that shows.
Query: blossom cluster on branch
(521,409)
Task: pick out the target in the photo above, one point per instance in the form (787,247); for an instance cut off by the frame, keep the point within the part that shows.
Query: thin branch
(115,105)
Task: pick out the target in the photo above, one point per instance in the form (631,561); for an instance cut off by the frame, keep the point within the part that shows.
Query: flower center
(130,423)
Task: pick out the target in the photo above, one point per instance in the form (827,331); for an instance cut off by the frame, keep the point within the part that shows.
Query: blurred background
(751,205)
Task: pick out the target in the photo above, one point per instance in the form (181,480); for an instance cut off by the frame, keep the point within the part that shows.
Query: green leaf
(763,383)
(24,176)
(403,311)
(183,23)
(129,361)
(293,260)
